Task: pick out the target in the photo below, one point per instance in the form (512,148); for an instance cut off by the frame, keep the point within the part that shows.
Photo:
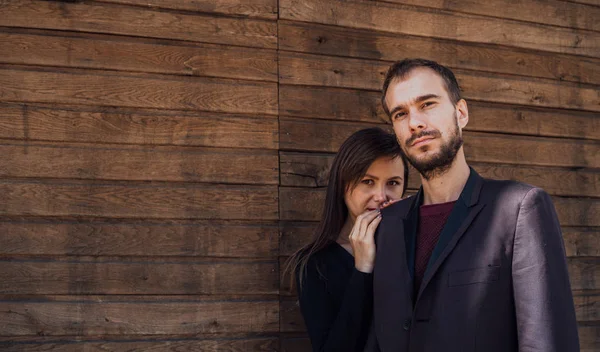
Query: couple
(467,264)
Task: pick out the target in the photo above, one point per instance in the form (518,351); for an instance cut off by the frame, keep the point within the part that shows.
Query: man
(467,264)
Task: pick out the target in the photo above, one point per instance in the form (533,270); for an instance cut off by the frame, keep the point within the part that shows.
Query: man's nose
(416,121)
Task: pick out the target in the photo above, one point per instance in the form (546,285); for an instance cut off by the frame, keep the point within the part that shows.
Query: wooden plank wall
(161,159)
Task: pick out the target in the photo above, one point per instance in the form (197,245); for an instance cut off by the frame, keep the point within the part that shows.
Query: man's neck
(448,186)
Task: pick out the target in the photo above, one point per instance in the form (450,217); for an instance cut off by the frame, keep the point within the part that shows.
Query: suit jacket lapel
(463,213)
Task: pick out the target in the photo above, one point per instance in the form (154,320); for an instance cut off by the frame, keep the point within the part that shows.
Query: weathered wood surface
(589,337)
(253,8)
(168,344)
(553,12)
(138,21)
(136,126)
(306,204)
(356,43)
(90,237)
(155,163)
(411,20)
(136,90)
(327,136)
(44,48)
(137,200)
(312,170)
(364,106)
(136,315)
(139,275)
(321,70)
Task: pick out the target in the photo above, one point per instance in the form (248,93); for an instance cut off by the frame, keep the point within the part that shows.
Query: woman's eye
(394,183)
(368,182)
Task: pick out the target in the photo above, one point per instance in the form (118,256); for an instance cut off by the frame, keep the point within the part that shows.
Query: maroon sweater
(432,219)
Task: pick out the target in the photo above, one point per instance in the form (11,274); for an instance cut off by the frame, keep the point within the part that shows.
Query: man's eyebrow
(416,100)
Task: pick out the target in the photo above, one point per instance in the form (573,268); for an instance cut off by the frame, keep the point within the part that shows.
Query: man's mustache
(433,133)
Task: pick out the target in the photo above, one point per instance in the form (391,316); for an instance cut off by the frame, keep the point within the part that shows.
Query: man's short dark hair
(400,69)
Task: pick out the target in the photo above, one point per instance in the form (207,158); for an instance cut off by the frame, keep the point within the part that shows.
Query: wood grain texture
(137,200)
(108,52)
(169,344)
(589,337)
(306,204)
(139,315)
(418,21)
(555,12)
(136,126)
(141,275)
(88,237)
(295,343)
(149,163)
(327,136)
(311,170)
(365,106)
(318,70)
(252,8)
(356,43)
(141,91)
(587,306)
(137,21)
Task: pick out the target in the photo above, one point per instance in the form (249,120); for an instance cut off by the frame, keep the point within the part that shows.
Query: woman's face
(384,181)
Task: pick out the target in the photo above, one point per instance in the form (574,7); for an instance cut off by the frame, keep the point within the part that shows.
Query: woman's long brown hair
(350,164)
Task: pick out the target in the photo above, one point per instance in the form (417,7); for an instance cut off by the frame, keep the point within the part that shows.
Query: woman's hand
(362,240)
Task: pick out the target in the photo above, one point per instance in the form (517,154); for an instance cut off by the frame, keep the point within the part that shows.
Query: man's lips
(421,140)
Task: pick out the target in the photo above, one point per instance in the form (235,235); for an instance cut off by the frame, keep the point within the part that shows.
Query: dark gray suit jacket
(497,279)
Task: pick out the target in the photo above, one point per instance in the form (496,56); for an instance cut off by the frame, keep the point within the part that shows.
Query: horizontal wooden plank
(103,52)
(139,126)
(312,170)
(160,276)
(365,106)
(318,70)
(584,274)
(253,8)
(137,200)
(579,242)
(558,13)
(306,204)
(137,90)
(291,317)
(98,316)
(138,21)
(138,238)
(148,163)
(423,22)
(343,41)
(587,306)
(326,136)
(589,337)
(295,344)
(170,344)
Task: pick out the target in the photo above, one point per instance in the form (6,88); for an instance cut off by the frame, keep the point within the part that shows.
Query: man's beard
(440,163)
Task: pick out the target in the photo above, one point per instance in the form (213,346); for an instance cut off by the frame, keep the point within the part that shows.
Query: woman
(334,271)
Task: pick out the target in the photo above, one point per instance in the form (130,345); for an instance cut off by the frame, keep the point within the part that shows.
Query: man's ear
(462,113)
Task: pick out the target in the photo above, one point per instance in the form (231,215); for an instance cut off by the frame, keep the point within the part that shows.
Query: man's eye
(399,115)
(428,104)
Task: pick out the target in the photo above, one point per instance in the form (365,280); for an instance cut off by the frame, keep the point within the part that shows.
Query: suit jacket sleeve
(543,300)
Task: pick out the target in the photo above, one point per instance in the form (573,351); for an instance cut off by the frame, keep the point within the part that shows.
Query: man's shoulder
(509,191)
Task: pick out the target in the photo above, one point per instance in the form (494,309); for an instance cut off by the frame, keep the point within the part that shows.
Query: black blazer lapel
(463,213)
